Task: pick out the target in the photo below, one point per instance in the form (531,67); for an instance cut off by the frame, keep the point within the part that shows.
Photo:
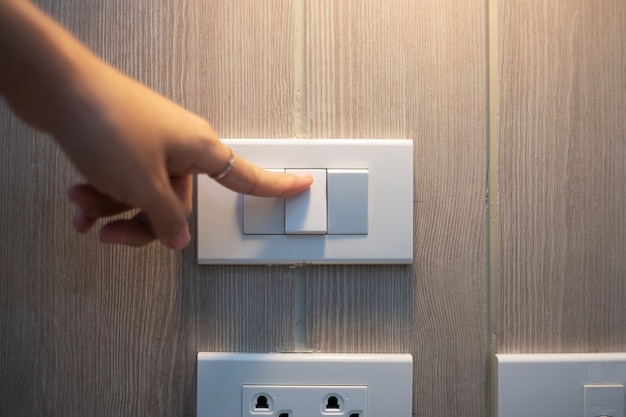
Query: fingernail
(180,240)
(82,221)
(79,215)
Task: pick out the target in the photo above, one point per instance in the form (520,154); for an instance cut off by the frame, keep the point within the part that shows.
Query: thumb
(168,219)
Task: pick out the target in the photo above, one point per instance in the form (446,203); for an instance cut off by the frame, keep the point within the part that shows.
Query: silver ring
(227,168)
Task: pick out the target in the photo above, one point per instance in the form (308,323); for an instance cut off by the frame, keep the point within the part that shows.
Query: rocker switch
(305,213)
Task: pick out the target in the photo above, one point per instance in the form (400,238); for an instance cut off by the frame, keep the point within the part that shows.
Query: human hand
(136,149)
(153,177)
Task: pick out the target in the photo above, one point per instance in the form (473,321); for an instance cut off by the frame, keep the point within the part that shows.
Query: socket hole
(355,415)
(332,403)
(283,415)
(261,403)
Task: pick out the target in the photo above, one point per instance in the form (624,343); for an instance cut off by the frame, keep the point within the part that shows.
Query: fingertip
(303,181)
(168,221)
(81,221)
(180,241)
(304,177)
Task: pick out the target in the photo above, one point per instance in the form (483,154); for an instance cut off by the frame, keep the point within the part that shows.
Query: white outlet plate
(553,384)
(389,237)
(367,385)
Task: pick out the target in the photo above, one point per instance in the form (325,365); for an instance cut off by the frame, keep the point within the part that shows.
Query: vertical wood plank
(88,329)
(563,177)
(412,70)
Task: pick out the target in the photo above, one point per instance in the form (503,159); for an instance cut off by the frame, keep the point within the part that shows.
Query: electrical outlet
(304,384)
(302,400)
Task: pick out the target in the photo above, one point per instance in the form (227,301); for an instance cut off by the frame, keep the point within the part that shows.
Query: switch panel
(561,385)
(358,210)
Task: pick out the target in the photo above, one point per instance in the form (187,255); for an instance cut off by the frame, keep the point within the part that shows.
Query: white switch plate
(553,384)
(390,207)
(301,384)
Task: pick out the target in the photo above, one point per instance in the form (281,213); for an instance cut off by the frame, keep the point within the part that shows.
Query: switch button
(348,201)
(305,213)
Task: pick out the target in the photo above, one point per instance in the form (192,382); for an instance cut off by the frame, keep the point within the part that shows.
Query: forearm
(41,66)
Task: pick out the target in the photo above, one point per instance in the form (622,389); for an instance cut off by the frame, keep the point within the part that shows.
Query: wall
(516,110)
(562,176)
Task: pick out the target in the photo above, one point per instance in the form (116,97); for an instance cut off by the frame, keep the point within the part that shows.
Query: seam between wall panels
(300,308)
(300,60)
(299,131)
(492,201)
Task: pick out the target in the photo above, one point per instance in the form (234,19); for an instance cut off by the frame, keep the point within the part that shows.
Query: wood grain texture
(240,65)
(411,70)
(87,329)
(362,309)
(563,176)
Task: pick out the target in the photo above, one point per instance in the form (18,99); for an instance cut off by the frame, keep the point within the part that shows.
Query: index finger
(247,178)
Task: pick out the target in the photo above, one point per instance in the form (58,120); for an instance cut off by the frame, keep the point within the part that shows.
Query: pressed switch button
(305,213)
(348,201)
(264,215)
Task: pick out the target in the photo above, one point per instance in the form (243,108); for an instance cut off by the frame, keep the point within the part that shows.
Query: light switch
(359,209)
(347,201)
(264,215)
(305,213)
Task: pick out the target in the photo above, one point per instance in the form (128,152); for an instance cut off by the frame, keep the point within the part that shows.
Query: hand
(136,149)
(142,155)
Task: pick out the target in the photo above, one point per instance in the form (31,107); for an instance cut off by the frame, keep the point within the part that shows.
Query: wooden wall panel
(410,69)
(89,329)
(563,176)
